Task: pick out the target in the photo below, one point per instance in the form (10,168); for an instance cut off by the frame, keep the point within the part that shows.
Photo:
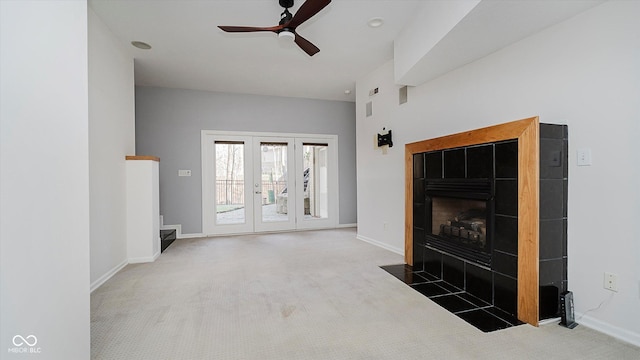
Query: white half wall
(44,180)
(143,211)
(582,72)
(111,138)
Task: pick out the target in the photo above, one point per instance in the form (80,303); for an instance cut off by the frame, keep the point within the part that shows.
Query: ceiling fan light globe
(285,34)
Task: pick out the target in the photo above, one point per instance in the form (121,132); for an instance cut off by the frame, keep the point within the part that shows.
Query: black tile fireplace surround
(480,255)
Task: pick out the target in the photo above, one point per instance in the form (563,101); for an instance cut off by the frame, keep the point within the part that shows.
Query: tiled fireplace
(487,215)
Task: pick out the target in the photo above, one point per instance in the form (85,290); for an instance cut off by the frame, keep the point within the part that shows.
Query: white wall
(583,72)
(111,138)
(44,178)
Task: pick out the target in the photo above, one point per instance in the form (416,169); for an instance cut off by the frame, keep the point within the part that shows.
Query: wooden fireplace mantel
(527,133)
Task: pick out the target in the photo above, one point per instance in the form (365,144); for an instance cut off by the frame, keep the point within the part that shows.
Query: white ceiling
(190,52)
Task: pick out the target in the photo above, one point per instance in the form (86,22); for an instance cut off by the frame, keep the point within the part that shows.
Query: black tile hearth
(167,237)
(430,289)
(453,303)
(484,320)
(473,310)
(402,271)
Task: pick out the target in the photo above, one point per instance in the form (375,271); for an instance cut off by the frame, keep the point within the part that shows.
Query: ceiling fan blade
(249,28)
(306,45)
(306,11)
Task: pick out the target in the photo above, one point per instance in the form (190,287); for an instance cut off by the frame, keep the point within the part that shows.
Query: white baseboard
(611,330)
(103,279)
(381,244)
(190,236)
(145,259)
(549,321)
(179,234)
(177,228)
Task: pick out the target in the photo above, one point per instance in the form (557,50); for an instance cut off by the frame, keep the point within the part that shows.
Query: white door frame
(304,222)
(209,226)
(209,218)
(290,223)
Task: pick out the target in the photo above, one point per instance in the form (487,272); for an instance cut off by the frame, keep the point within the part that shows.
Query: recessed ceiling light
(375,22)
(347,92)
(141,45)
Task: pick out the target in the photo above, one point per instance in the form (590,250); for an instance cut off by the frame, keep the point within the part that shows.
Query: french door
(256,182)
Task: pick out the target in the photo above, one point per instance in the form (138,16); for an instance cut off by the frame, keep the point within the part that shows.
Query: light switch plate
(584,157)
(184,172)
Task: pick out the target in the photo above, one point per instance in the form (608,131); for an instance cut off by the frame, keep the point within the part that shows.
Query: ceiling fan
(289,23)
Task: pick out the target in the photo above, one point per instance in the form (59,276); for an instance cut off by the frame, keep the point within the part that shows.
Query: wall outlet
(184,172)
(611,281)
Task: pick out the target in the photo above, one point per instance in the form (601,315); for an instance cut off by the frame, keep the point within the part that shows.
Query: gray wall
(168,125)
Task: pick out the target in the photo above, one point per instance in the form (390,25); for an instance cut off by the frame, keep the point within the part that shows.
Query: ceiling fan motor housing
(286,3)
(285,17)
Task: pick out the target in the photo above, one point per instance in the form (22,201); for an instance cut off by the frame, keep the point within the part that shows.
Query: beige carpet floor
(301,295)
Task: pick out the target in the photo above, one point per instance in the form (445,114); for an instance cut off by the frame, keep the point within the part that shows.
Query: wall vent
(402,95)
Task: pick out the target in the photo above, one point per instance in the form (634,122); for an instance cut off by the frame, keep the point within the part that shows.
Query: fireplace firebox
(460,217)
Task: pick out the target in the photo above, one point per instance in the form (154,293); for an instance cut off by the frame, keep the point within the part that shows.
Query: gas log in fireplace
(460,217)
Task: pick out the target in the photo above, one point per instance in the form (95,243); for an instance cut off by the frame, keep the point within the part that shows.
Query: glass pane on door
(274,182)
(230,177)
(316,197)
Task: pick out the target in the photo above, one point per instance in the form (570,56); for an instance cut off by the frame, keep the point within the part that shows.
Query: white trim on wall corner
(396,250)
(103,279)
(611,330)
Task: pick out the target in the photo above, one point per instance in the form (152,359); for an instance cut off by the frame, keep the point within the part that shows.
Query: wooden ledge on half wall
(142,157)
